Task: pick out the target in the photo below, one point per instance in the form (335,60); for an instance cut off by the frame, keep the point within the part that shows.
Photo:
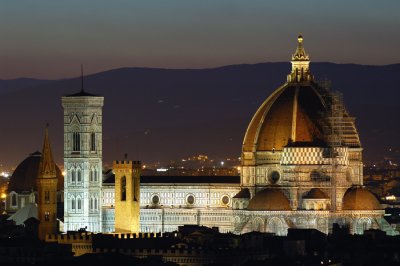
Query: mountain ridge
(157,114)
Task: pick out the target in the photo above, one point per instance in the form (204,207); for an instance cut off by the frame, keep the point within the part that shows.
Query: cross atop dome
(300,64)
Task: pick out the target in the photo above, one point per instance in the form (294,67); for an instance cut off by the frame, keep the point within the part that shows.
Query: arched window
(258,225)
(76,141)
(236,205)
(79,174)
(275,226)
(73,178)
(79,203)
(95,175)
(123,188)
(362,225)
(14,200)
(73,207)
(91,204)
(91,175)
(93,141)
(95,204)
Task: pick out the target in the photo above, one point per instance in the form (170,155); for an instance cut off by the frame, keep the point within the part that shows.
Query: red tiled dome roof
(360,199)
(290,111)
(26,173)
(269,199)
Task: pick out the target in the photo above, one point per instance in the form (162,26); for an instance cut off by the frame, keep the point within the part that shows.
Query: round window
(190,199)
(155,199)
(274,177)
(225,200)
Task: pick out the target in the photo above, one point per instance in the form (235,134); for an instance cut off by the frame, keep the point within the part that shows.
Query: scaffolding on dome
(338,125)
(333,128)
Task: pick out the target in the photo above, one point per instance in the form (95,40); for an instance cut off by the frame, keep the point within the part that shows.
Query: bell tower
(127,196)
(47,191)
(83,156)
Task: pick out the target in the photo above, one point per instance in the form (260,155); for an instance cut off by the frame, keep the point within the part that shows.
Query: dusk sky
(50,39)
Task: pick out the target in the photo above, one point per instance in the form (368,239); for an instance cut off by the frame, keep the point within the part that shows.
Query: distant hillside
(13,85)
(162,114)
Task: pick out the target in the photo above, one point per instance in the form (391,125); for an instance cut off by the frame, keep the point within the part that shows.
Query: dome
(269,199)
(293,114)
(360,199)
(316,193)
(24,177)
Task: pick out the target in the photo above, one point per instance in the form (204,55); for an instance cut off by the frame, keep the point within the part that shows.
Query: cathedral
(301,168)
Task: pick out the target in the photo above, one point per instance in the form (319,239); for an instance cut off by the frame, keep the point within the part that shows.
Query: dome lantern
(300,64)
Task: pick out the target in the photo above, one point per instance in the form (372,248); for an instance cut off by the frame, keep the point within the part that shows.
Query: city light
(5,174)
(391,197)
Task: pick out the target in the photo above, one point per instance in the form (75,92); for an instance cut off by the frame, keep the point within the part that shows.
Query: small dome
(315,193)
(270,199)
(360,199)
(24,177)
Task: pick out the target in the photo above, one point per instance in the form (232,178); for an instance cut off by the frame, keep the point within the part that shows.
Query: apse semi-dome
(269,199)
(360,199)
(24,177)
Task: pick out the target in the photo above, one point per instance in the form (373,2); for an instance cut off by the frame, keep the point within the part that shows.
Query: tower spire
(47,167)
(300,64)
(47,191)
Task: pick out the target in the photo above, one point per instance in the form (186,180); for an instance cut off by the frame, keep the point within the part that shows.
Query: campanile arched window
(73,177)
(93,141)
(79,175)
(73,206)
(79,203)
(76,141)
